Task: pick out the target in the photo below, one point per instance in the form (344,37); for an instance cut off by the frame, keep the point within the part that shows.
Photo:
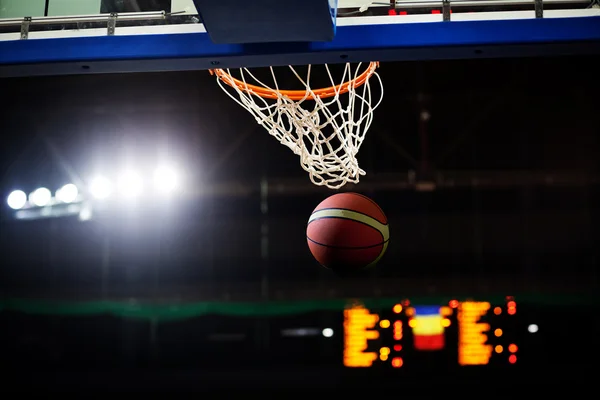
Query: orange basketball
(347,232)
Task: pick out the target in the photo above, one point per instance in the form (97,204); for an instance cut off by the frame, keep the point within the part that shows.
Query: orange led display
(384,353)
(358,325)
(477,340)
(512,307)
(472,347)
(397,362)
(398,330)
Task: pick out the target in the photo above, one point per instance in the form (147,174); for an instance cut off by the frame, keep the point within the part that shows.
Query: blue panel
(427,310)
(268,21)
(351,43)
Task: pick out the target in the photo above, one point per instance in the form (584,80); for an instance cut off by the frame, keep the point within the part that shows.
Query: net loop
(324,127)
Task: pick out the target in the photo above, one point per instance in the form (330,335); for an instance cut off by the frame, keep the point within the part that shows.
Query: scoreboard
(466,333)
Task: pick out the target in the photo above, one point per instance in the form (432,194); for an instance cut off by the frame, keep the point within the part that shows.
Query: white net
(324,127)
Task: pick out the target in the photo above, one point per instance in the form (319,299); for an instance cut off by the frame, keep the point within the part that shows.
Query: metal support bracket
(112,24)
(25,28)
(446,10)
(539,8)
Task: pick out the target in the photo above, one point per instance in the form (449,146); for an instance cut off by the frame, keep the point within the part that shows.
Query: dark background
(513,145)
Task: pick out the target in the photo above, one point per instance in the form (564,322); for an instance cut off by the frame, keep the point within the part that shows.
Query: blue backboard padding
(351,43)
(268,21)
(426,310)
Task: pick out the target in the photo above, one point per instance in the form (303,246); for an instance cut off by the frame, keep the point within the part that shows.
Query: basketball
(347,232)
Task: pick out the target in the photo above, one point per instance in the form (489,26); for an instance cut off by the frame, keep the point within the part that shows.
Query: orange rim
(296,94)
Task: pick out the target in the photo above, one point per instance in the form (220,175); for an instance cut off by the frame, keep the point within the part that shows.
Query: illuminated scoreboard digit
(472,338)
(360,327)
(478,341)
(358,330)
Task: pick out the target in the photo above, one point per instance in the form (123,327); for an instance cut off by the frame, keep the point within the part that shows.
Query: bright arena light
(40,197)
(67,193)
(17,200)
(100,188)
(85,214)
(130,184)
(328,332)
(166,179)
(533,328)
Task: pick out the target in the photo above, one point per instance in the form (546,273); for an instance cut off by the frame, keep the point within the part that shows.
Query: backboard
(170,35)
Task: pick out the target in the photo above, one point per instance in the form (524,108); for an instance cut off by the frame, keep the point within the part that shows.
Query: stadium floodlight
(130,184)
(40,197)
(100,188)
(67,193)
(16,199)
(85,214)
(166,179)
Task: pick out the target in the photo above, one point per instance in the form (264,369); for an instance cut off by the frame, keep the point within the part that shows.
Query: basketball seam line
(348,248)
(353,220)
(348,209)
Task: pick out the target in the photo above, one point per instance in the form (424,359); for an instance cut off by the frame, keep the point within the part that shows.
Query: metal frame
(387,38)
(140,16)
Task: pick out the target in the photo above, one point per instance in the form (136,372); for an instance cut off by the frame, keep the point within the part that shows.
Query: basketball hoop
(324,127)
